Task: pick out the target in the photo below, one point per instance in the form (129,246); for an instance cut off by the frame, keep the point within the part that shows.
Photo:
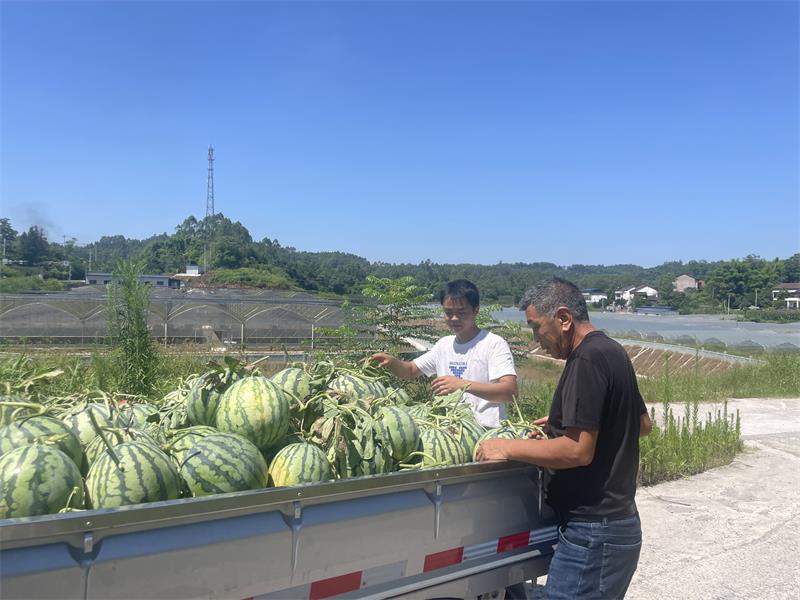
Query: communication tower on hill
(210,183)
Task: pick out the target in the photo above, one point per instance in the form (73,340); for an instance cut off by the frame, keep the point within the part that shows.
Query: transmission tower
(210,183)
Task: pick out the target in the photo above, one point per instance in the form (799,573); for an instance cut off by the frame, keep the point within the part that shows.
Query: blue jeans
(594,559)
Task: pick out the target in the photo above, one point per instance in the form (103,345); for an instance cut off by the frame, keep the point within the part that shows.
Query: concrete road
(731,532)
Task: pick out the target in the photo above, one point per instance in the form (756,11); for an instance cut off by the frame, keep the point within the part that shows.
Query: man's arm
(645,424)
(574,449)
(403,369)
(502,390)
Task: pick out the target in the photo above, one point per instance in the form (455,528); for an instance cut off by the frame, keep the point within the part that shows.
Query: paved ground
(732,532)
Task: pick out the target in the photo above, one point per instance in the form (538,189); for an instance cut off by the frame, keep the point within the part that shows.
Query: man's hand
(447,384)
(492,449)
(545,425)
(383,359)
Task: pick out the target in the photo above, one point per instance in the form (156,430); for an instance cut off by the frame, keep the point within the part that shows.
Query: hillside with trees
(234,258)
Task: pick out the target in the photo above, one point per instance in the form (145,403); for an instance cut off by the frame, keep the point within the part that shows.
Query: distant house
(96,278)
(686,282)
(594,295)
(790,292)
(628,294)
(192,270)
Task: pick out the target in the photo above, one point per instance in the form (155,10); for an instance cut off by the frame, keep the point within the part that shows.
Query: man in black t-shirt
(592,447)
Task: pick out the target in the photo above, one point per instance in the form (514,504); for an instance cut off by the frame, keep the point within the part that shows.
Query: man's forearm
(556,453)
(504,390)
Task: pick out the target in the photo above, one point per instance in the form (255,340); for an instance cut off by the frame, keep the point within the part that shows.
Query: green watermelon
(507,432)
(38,479)
(144,474)
(467,432)
(299,463)
(81,424)
(398,395)
(256,408)
(182,442)
(440,448)
(134,415)
(202,401)
(41,429)
(114,437)
(398,428)
(354,387)
(11,408)
(223,462)
(295,381)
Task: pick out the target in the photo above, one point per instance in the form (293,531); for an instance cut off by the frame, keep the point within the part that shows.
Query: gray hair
(548,296)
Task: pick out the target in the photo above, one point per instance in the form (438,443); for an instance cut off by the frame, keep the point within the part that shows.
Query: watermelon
(144,474)
(81,424)
(379,462)
(397,427)
(507,432)
(134,415)
(11,408)
(398,395)
(295,381)
(41,429)
(440,448)
(356,388)
(181,444)
(114,437)
(202,401)
(38,479)
(299,463)
(467,432)
(256,408)
(223,462)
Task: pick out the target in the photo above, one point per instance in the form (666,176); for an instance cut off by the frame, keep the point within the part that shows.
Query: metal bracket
(88,542)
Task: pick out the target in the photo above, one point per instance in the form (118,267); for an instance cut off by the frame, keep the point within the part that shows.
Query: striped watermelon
(299,463)
(356,388)
(440,448)
(144,474)
(398,428)
(134,415)
(202,401)
(81,424)
(182,442)
(398,395)
(224,462)
(38,479)
(380,462)
(41,429)
(507,432)
(256,408)
(11,409)
(468,432)
(114,437)
(295,381)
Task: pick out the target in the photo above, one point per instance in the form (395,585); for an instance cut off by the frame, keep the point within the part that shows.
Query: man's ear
(564,318)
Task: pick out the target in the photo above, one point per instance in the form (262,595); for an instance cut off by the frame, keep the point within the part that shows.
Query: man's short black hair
(461,289)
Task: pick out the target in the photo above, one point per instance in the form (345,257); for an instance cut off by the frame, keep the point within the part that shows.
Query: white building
(627,294)
(790,292)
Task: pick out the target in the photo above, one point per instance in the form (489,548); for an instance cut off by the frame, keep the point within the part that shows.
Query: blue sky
(570,132)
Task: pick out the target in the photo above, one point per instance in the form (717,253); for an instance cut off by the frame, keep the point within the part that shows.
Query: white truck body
(453,532)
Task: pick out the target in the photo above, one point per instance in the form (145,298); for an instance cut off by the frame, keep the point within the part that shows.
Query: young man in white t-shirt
(472,357)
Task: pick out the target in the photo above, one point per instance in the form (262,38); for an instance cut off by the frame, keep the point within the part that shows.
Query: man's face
(459,315)
(548,332)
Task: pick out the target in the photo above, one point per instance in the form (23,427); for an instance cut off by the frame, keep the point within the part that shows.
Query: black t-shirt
(598,392)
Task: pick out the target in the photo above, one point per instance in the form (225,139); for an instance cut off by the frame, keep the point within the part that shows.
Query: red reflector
(516,540)
(443,559)
(326,588)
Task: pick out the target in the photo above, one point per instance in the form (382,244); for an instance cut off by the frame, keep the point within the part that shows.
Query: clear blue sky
(570,132)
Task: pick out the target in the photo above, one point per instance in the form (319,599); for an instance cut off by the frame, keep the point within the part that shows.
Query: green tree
(33,246)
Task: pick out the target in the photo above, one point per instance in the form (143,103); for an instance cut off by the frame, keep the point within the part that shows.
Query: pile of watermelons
(229,429)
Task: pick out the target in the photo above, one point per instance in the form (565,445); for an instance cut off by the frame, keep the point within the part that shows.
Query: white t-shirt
(484,359)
